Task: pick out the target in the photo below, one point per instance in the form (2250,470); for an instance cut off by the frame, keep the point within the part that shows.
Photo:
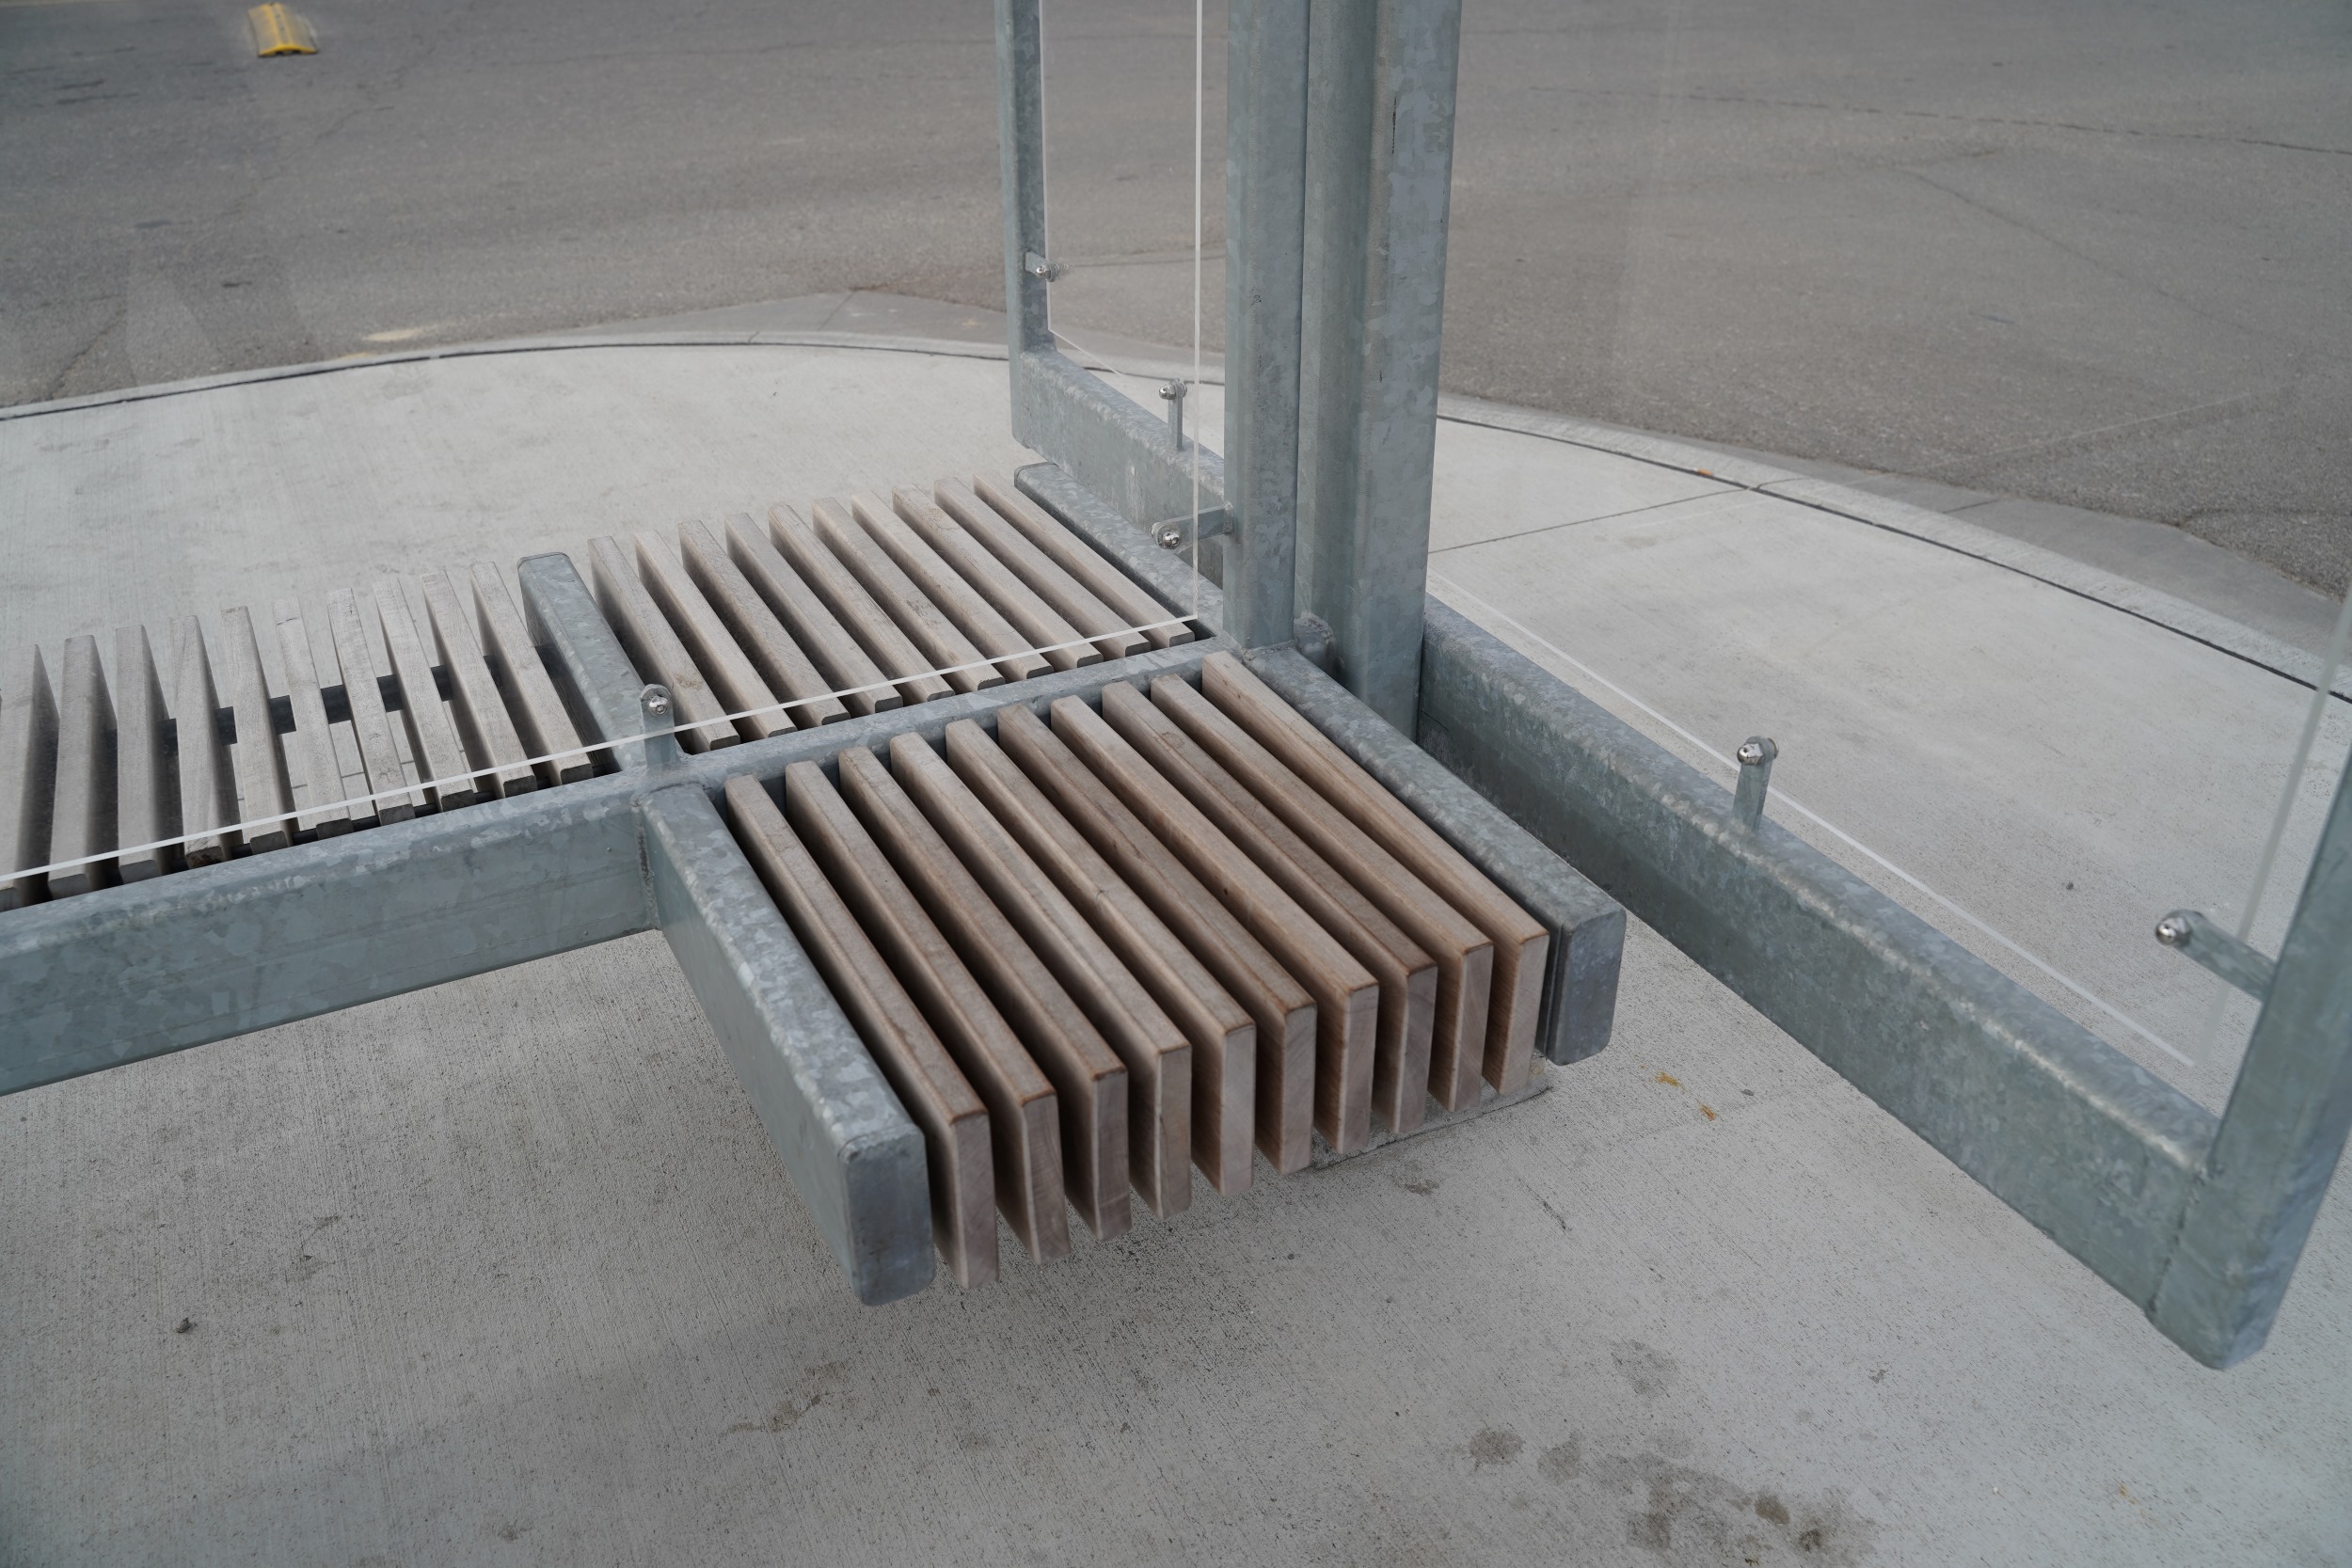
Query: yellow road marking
(278,30)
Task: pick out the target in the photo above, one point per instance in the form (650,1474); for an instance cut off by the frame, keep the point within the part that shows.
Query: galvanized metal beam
(598,684)
(1265,217)
(2090,1148)
(151,967)
(853,1152)
(1379,166)
(1587,926)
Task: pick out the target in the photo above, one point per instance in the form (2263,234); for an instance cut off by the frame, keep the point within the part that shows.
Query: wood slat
(1223,1037)
(1348,997)
(1024,1123)
(734,678)
(846,667)
(313,744)
(876,632)
(1082,560)
(1076,603)
(1407,976)
(263,789)
(1090,1080)
(431,739)
(1521,943)
(482,722)
(147,795)
(83,819)
(541,721)
(1158,1058)
(654,649)
(942,642)
(1464,954)
(991,633)
(370,721)
(788,672)
(208,780)
(921,1072)
(1282,1008)
(28,775)
(1039,625)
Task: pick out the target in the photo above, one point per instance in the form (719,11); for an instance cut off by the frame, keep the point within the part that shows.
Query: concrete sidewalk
(506,1270)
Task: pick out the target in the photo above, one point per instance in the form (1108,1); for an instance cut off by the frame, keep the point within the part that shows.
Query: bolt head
(1750,753)
(655,701)
(1170,536)
(2174,930)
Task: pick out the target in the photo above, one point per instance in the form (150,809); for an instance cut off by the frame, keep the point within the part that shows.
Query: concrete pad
(506,1270)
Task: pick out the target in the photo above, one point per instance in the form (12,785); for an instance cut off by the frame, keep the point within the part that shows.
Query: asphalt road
(2087,252)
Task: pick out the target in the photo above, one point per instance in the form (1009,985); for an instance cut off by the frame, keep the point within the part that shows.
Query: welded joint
(1756,755)
(2242,965)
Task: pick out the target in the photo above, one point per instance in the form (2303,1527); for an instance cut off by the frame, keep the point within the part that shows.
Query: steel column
(1379,164)
(1265,215)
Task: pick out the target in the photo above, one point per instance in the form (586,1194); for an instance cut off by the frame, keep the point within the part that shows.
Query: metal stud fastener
(1756,755)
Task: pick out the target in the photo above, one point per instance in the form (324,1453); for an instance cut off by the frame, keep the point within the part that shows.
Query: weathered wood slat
(974,617)
(28,775)
(944,645)
(1090,1080)
(735,680)
(1158,1058)
(208,780)
(1076,603)
(1464,954)
(147,794)
(371,723)
(1407,976)
(1073,555)
(909,1052)
(1348,997)
(654,648)
(788,672)
(263,789)
(1223,1037)
(1039,625)
(1024,1123)
(83,818)
(1282,1008)
(1521,943)
(480,710)
(431,739)
(313,744)
(536,706)
(876,632)
(846,667)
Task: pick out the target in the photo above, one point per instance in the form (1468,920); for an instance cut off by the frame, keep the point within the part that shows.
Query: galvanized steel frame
(2199,1219)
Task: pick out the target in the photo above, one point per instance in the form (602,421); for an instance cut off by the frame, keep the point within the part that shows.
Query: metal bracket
(1755,757)
(1178,534)
(1041,266)
(2190,934)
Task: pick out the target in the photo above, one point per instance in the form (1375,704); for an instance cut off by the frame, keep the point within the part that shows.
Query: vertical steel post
(2284,1130)
(1021,154)
(1379,163)
(1266,233)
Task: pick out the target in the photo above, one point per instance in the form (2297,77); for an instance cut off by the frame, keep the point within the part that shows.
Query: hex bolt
(1755,757)
(661,748)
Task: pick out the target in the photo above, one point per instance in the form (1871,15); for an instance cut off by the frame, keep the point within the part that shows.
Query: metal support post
(2282,1133)
(1379,160)
(1265,217)
(1110,443)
